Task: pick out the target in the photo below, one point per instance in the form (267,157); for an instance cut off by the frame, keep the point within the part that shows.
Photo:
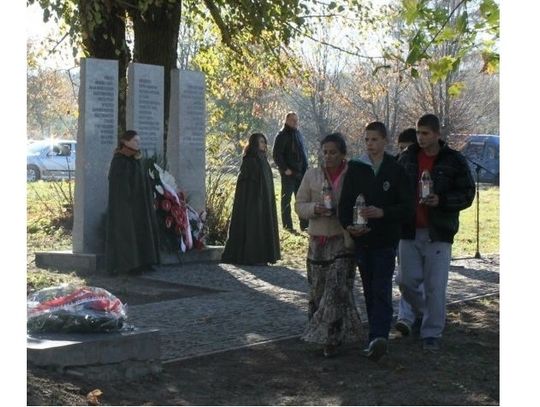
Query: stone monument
(96,140)
(186,135)
(145,104)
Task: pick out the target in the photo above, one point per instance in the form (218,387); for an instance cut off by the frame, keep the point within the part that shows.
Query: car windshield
(474,150)
(60,148)
(37,146)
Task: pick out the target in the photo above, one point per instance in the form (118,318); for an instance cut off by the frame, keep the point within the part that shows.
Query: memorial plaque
(186,135)
(96,140)
(145,104)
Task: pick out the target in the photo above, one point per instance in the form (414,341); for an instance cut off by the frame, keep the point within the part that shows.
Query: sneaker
(431,344)
(403,327)
(377,349)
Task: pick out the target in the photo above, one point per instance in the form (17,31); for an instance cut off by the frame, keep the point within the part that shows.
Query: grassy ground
(49,228)
(465,240)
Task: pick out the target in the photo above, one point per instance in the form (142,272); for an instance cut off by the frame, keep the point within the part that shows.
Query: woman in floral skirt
(333,317)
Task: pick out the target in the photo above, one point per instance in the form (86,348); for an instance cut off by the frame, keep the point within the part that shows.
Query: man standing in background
(290,157)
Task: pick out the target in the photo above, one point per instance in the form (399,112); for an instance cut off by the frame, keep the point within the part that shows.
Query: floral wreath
(180,219)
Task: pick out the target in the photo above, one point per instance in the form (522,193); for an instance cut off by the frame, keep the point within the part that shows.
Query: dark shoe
(415,328)
(377,349)
(290,230)
(403,327)
(330,351)
(431,344)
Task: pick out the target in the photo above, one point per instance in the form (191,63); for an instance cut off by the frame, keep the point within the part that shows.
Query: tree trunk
(156,41)
(108,41)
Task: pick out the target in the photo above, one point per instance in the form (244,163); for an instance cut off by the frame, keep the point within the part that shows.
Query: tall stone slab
(96,140)
(186,135)
(145,104)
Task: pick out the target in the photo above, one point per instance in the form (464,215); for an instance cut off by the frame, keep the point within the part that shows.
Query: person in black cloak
(132,243)
(253,233)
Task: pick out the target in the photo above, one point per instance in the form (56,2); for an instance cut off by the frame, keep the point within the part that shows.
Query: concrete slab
(65,350)
(210,254)
(67,260)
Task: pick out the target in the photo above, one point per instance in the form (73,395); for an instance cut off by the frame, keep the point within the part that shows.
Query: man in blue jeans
(425,248)
(389,202)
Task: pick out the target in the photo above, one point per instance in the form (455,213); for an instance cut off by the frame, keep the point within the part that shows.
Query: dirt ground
(291,372)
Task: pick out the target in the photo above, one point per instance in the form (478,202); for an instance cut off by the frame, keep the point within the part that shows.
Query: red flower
(166,205)
(169,221)
(176,212)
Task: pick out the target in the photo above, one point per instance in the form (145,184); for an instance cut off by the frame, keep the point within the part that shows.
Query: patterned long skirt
(333,317)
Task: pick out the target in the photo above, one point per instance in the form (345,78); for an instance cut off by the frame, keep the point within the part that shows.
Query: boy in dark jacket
(389,201)
(426,240)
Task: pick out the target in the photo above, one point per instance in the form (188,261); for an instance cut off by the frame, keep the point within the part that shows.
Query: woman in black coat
(253,233)
(132,243)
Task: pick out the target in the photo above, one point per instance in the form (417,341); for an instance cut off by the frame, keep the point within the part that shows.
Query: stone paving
(258,304)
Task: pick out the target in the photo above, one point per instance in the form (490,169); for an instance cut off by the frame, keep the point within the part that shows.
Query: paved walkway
(257,304)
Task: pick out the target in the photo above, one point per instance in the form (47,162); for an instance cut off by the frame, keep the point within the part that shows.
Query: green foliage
(222,165)
(441,67)
(455,89)
(491,62)
(442,33)
(50,207)
(51,97)
(220,189)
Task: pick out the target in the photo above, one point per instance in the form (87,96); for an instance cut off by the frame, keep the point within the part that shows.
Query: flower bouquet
(181,224)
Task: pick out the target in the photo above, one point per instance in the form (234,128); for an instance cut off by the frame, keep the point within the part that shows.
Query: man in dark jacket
(388,198)
(426,239)
(290,157)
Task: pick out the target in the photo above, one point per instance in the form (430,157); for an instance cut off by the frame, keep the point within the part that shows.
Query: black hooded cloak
(132,241)
(253,232)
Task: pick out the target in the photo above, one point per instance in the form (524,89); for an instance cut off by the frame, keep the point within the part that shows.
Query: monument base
(210,254)
(125,354)
(67,260)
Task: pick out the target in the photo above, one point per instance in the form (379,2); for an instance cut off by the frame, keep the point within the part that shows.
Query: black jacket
(289,152)
(388,190)
(452,182)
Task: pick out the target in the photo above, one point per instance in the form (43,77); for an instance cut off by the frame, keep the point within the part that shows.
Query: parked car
(482,150)
(51,160)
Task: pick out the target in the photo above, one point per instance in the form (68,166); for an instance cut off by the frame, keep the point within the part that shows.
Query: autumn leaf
(491,62)
(455,89)
(441,68)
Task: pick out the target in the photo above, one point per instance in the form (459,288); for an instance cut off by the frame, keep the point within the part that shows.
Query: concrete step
(67,260)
